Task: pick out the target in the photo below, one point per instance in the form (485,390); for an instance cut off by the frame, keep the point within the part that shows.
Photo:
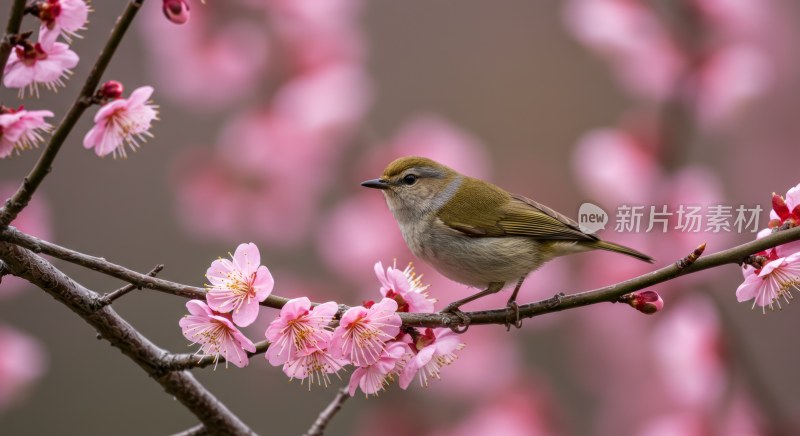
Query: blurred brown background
(506,72)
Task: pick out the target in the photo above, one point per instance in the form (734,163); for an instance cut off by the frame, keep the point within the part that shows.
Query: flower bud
(110,90)
(176,11)
(648,302)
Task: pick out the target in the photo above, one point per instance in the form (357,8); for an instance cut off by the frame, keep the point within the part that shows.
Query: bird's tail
(610,246)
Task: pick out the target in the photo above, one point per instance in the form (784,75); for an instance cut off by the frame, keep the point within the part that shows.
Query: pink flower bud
(176,11)
(648,302)
(111,90)
(779,206)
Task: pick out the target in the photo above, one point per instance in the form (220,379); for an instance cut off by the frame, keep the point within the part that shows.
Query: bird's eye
(409,179)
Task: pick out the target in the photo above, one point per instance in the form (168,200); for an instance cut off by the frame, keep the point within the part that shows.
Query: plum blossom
(216,334)
(299,330)
(316,366)
(773,281)
(785,214)
(20,129)
(363,331)
(373,378)
(66,17)
(239,284)
(46,62)
(22,362)
(405,287)
(120,122)
(433,350)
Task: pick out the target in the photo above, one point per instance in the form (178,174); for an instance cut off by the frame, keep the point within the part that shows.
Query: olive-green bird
(476,233)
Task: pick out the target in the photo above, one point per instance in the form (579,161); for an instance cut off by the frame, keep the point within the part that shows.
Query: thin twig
(318,427)
(177,362)
(24,193)
(112,327)
(198,430)
(12,30)
(109,298)
(557,303)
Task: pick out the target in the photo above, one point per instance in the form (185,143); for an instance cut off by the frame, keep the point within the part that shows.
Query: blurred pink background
(273,111)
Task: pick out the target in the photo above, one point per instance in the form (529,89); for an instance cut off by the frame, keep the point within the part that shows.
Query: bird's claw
(517,322)
(465,320)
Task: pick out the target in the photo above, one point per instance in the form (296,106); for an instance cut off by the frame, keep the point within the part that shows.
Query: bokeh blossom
(125,121)
(432,351)
(46,62)
(21,129)
(65,17)
(362,332)
(216,334)
(176,11)
(373,378)
(405,287)
(239,284)
(22,362)
(299,329)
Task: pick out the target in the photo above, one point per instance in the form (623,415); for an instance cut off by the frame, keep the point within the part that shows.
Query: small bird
(476,233)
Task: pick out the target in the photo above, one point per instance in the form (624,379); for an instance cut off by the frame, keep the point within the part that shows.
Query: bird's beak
(376,184)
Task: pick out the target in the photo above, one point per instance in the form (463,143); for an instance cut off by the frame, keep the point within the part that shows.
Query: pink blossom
(22,362)
(373,378)
(239,284)
(434,350)
(785,213)
(176,11)
(362,332)
(20,129)
(768,284)
(120,122)
(205,66)
(405,287)
(330,100)
(687,347)
(731,80)
(66,17)
(231,193)
(315,365)
(631,37)
(46,62)
(216,334)
(299,330)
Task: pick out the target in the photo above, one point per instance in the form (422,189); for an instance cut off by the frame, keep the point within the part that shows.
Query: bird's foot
(465,320)
(513,319)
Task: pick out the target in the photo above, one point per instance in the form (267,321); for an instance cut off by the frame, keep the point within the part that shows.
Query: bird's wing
(479,210)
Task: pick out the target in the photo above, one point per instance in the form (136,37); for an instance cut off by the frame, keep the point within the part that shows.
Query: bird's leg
(453,307)
(512,304)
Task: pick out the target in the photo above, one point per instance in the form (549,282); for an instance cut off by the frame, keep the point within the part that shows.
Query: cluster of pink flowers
(302,338)
(775,273)
(369,337)
(237,287)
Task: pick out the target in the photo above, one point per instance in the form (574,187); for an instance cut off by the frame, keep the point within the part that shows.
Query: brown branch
(12,31)
(112,327)
(557,303)
(43,166)
(111,296)
(318,427)
(176,362)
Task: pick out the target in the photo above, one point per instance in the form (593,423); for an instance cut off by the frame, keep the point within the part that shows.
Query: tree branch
(198,430)
(318,427)
(12,30)
(177,362)
(111,296)
(43,166)
(557,303)
(112,327)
